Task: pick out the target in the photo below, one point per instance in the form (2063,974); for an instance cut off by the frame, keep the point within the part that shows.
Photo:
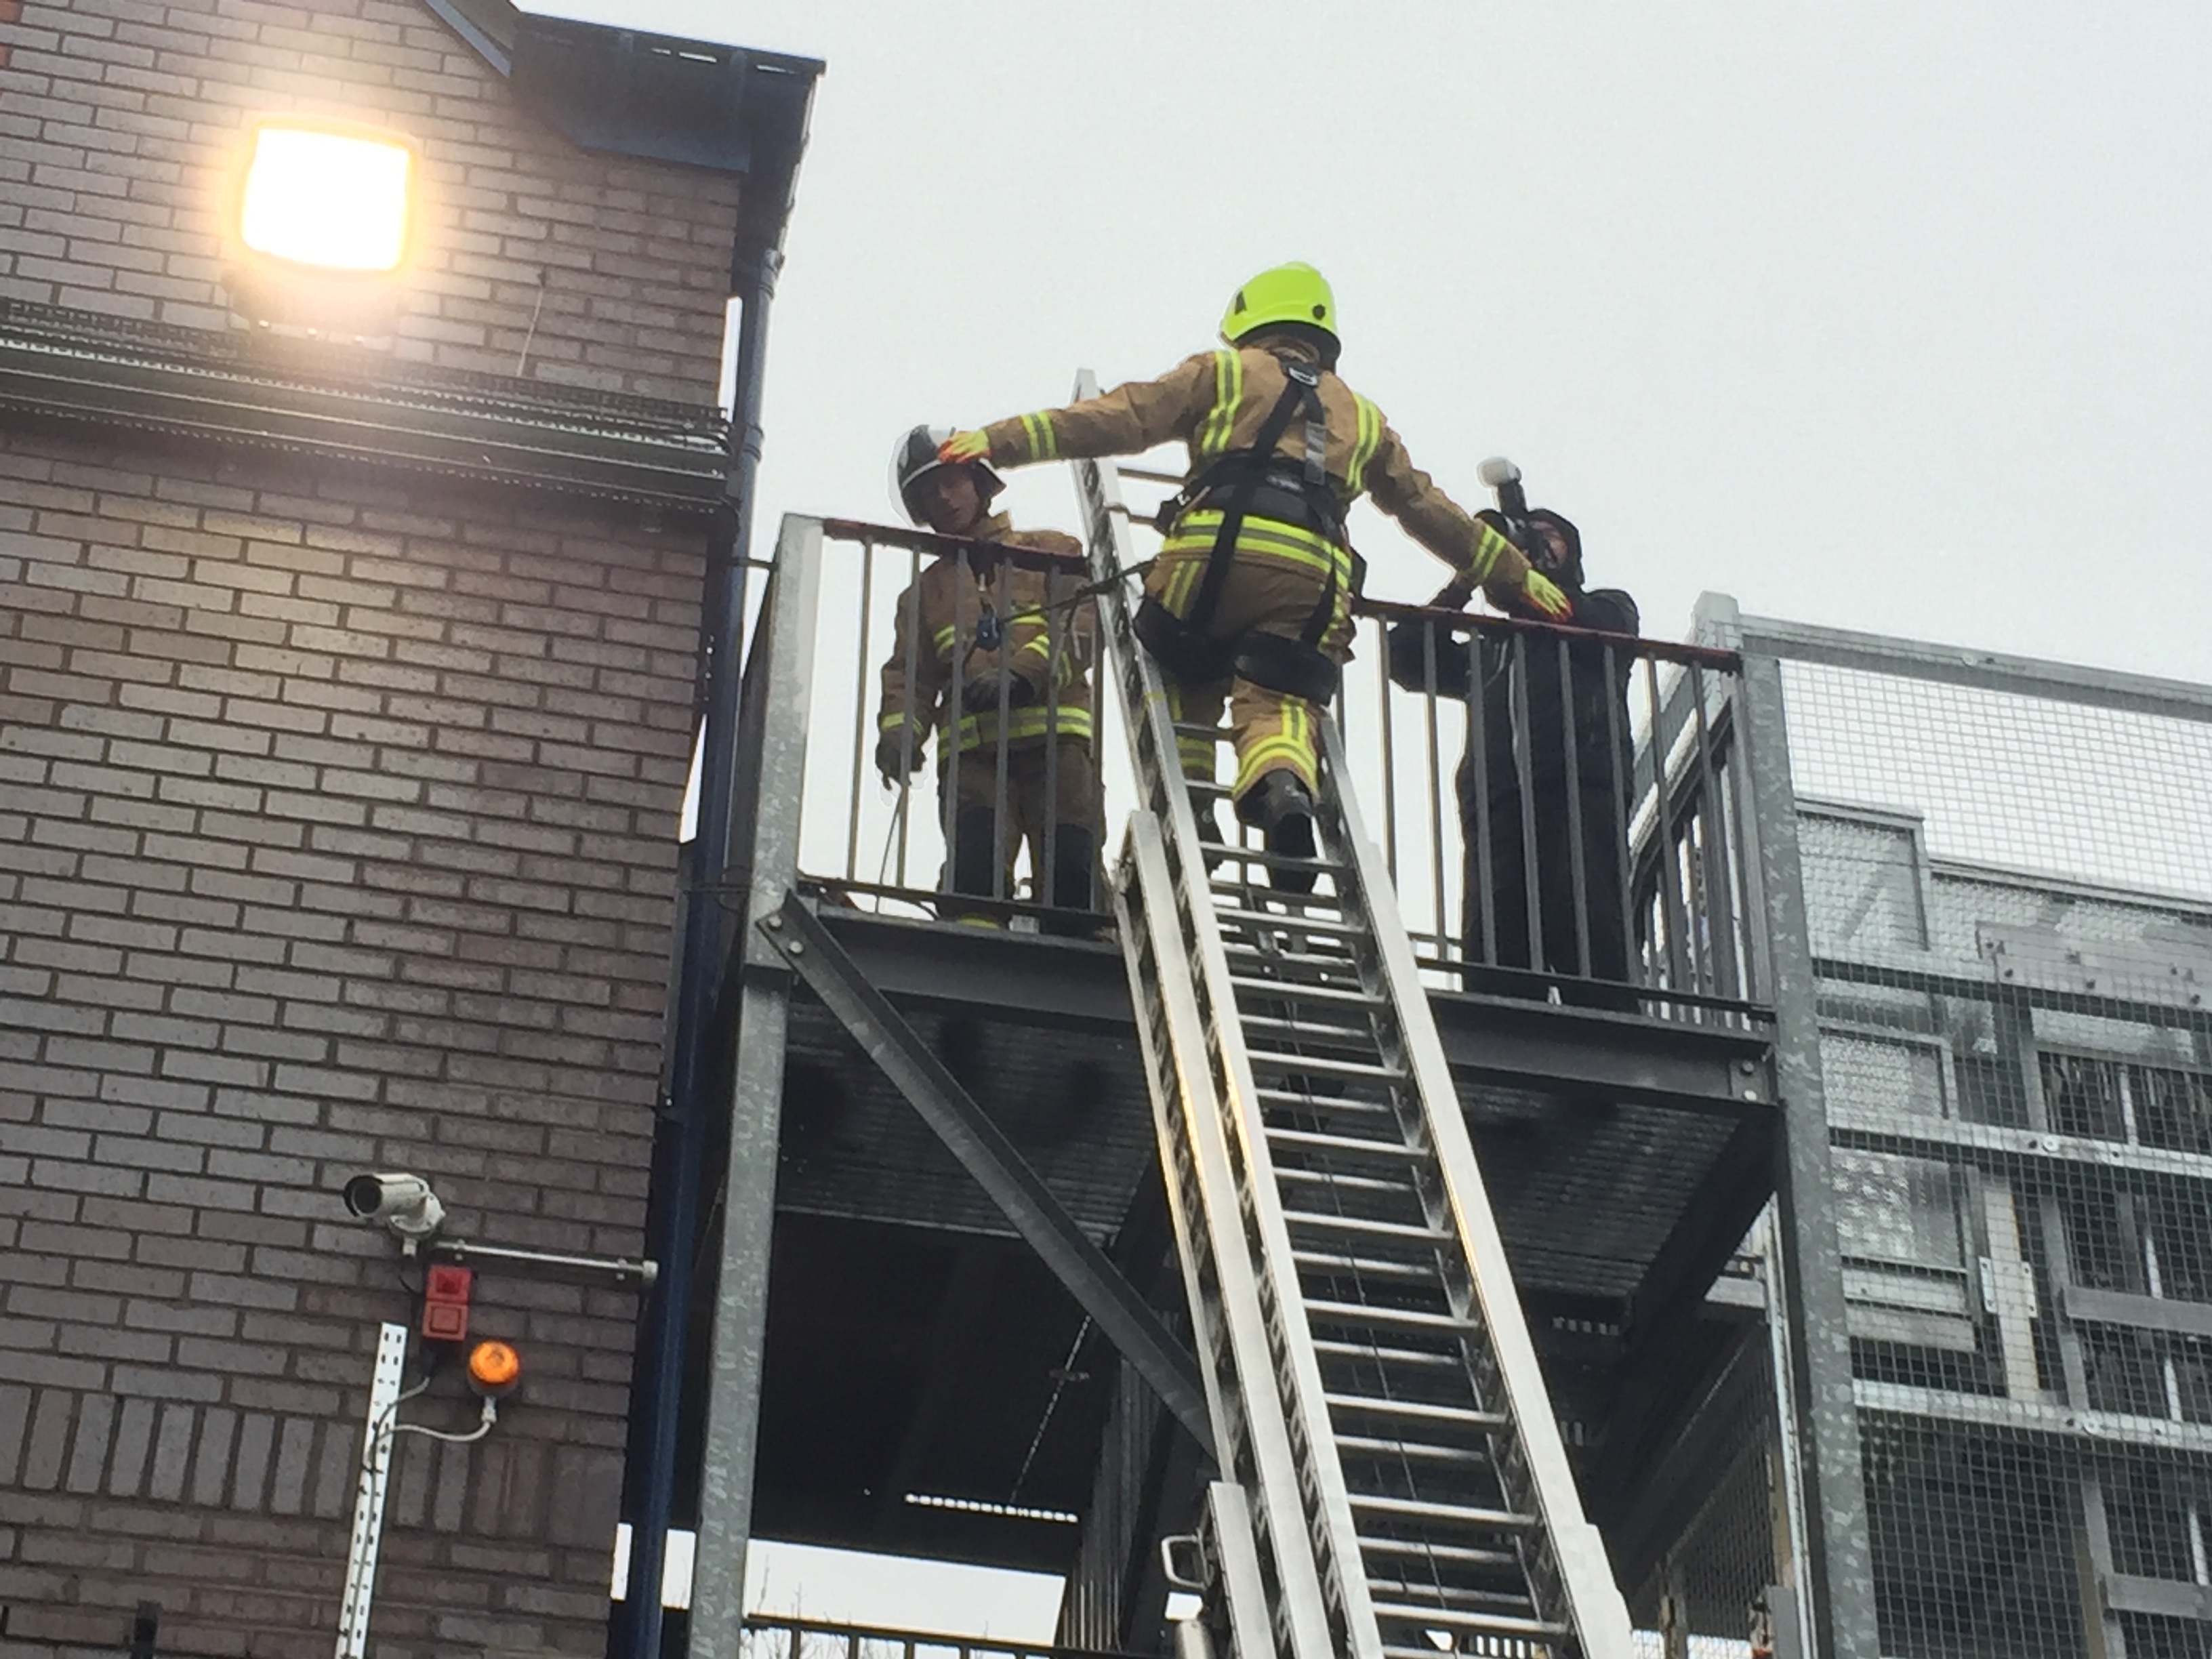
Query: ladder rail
(1290,1370)
(1195,1132)
(1599,1611)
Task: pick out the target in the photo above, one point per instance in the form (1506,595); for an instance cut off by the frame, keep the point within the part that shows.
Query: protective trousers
(1270,593)
(1051,805)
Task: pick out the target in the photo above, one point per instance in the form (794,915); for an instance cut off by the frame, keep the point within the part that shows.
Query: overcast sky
(1884,316)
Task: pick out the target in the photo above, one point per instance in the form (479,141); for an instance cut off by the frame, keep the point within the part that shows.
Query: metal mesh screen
(2009,899)
(2090,793)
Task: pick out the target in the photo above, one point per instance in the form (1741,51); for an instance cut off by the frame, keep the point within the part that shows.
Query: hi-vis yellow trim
(1489,548)
(1220,422)
(1194,532)
(1043,441)
(1042,648)
(977,730)
(1291,750)
(1363,446)
(1196,753)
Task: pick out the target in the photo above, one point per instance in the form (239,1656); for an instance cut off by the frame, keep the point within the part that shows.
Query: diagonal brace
(1097,1285)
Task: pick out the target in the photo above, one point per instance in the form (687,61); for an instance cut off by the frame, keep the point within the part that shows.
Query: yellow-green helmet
(1295,293)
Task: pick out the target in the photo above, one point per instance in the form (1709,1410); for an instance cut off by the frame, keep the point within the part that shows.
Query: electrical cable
(484,1428)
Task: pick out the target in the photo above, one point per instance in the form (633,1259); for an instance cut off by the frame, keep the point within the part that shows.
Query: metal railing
(1602,852)
(1560,808)
(770,1635)
(1022,771)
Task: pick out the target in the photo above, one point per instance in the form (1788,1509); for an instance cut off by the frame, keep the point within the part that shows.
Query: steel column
(1835,1556)
(779,680)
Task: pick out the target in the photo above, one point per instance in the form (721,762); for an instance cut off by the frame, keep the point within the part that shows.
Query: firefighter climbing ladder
(1392,1482)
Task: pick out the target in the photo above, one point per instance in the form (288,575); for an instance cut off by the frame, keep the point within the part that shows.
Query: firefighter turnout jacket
(1217,402)
(969,620)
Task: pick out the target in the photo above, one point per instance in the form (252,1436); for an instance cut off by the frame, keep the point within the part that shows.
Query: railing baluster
(1577,876)
(1524,772)
(1435,799)
(1662,835)
(860,719)
(903,806)
(1483,888)
(1614,696)
(1390,759)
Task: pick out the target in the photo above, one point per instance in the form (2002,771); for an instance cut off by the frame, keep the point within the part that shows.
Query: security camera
(403,1202)
(1498,470)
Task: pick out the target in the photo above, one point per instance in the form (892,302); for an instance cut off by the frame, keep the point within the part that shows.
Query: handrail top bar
(923,1638)
(1992,670)
(926,541)
(1702,656)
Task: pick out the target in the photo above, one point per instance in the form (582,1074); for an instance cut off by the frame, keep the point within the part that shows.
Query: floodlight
(332,198)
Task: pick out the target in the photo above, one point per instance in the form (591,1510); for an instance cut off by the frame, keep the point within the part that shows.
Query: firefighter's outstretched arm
(1126,421)
(1478,552)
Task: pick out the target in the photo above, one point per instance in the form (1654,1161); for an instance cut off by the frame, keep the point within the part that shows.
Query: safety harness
(1249,483)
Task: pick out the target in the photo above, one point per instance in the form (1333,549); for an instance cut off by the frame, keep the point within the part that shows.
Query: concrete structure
(345,699)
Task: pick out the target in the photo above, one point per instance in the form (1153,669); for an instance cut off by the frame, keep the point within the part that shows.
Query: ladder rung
(1322,1262)
(1455,1555)
(1218,733)
(1498,1625)
(1403,1319)
(1324,1067)
(1292,991)
(1343,1183)
(1312,1103)
(1308,1030)
(1410,1450)
(1408,1359)
(1353,1223)
(1419,1410)
(1262,919)
(1457,1515)
(1390,1151)
(1222,852)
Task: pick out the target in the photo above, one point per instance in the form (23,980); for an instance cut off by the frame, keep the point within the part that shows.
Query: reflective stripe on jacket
(937,621)
(1215,403)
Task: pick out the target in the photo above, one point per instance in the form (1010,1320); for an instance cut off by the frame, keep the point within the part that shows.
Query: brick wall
(335,834)
(122,121)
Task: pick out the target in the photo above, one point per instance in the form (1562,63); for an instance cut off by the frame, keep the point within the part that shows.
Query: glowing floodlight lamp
(326,197)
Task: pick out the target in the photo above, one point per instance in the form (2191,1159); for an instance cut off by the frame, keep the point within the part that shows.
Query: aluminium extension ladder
(1392,1484)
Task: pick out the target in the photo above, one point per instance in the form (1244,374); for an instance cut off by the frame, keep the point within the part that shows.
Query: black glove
(894,759)
(980,695)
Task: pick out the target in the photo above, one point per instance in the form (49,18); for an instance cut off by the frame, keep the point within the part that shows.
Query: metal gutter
(62,365)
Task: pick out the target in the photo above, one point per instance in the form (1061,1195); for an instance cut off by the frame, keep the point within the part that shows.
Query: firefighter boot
(975,853)
(1280,805)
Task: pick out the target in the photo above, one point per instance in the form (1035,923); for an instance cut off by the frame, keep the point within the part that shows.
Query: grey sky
(1885,316)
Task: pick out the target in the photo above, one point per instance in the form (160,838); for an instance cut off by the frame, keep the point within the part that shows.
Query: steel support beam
(1123,1316)
(1834,1555)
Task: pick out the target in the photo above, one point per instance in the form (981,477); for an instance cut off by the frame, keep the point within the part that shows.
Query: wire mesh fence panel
(2081,791)
(2008,896)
